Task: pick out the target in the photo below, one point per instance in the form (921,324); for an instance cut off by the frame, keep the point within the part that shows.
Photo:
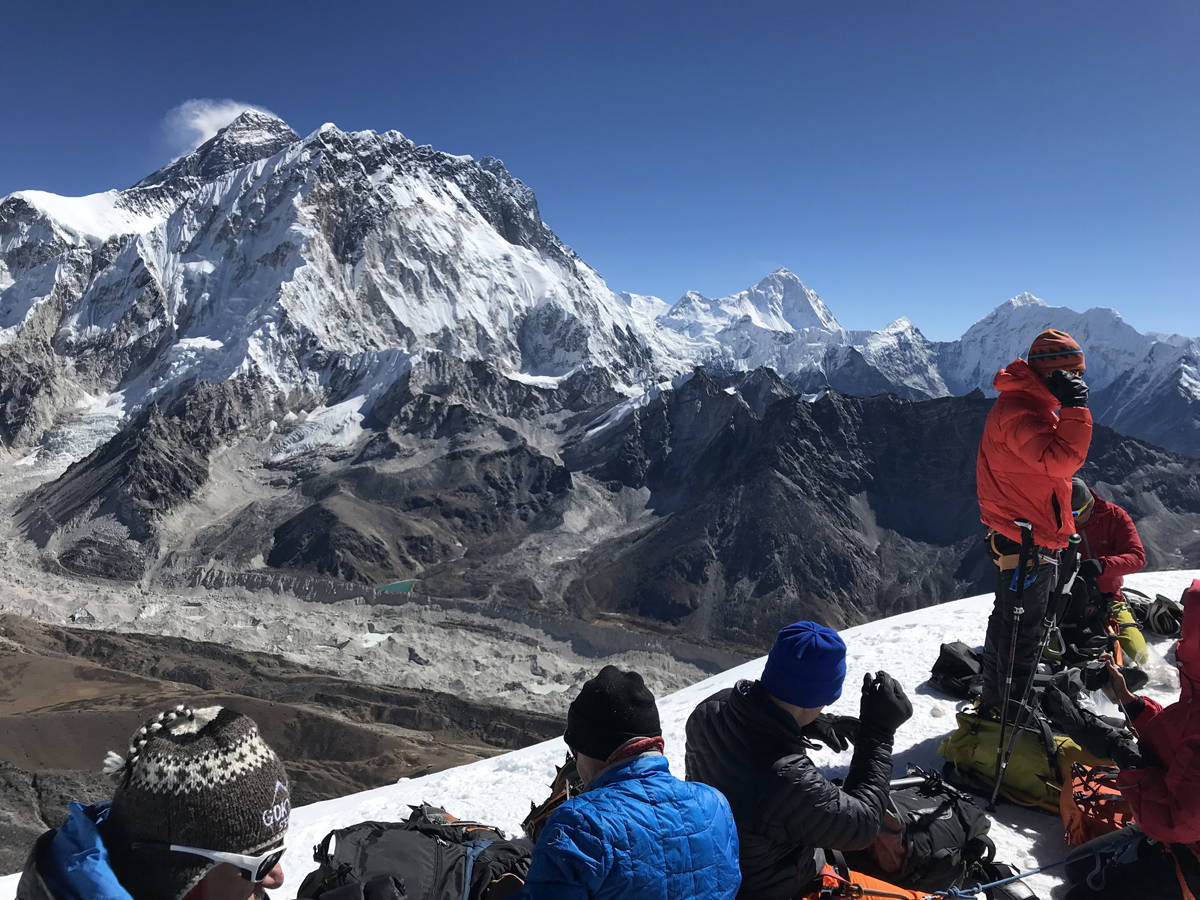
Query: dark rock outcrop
(155,464)
(841,509)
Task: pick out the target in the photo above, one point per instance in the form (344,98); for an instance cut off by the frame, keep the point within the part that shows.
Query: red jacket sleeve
(1163,800)
(1149,709)
(1060,449)
(1132,556)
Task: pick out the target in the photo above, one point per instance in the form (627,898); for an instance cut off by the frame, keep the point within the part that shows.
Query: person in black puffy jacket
(751,742)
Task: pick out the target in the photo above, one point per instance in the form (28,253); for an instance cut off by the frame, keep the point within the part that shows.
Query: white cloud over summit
(193,122)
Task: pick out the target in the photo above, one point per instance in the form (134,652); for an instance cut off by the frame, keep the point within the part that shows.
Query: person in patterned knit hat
(200,810)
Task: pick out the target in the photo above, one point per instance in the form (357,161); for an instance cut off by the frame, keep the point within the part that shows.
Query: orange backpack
(1091,804)
(846,884)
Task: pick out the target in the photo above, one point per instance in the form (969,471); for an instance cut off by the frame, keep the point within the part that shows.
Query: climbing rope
(963,893)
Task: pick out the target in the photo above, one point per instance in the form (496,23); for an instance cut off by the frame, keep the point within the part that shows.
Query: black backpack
(956,671)
(431,856)
(933,837)
(1084,622)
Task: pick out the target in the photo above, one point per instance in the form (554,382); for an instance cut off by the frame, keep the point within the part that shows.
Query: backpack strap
(980,849)
(1186,864)
(321,851)
(841,869)
(474,851)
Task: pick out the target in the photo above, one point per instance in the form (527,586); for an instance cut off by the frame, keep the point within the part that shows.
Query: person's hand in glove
(1094,735)
(1068,387)
(1125,753)
(1091,569)
(835,732)
(884,706)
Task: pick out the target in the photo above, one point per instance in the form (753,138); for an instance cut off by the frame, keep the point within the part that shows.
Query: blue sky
(904,157)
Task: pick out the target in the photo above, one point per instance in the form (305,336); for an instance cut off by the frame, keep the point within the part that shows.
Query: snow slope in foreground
(499,790)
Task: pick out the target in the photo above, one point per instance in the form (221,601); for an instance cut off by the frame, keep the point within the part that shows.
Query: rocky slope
(714,506)
(72,694)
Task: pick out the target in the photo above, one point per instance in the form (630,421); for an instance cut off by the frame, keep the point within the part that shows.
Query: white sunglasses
(254,868)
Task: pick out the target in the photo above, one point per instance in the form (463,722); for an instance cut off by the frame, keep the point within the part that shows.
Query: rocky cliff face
(840,508)
(717,505)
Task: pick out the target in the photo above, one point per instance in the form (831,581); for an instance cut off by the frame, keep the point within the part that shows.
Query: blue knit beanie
(807,665)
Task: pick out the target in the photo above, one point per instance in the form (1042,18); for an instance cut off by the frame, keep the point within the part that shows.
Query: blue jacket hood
(75,865)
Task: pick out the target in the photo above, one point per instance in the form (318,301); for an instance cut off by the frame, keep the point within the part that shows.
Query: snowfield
(500,790)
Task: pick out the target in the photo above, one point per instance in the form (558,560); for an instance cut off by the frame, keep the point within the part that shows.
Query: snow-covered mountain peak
(96,218)
(256,126)
(689,298)
(297,259)
(782,293)
(1024,299)
(252,136)
(261,251)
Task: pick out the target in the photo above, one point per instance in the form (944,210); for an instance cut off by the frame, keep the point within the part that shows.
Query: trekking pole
(1017,586)
(1055,608)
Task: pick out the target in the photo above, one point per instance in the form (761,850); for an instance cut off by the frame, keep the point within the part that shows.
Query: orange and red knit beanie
(1052,350)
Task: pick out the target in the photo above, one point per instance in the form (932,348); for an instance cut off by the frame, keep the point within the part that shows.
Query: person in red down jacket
(1035,439)
(1159,857)
(1111,546)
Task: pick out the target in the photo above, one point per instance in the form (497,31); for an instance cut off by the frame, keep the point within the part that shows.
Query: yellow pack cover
(1034,776)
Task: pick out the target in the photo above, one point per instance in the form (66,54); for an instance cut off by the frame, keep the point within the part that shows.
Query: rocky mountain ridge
(717,505)
(349,355)
(324,264)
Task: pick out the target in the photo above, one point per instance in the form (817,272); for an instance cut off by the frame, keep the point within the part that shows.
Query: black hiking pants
(1138,868)
(1040,583)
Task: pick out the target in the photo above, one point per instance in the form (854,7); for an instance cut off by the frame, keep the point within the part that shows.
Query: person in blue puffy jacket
(636,832)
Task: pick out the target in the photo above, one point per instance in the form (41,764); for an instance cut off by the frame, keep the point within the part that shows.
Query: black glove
(1125,753)
(884,706)
(1094,735)
(835,732)
(1091,569)
(1068,387)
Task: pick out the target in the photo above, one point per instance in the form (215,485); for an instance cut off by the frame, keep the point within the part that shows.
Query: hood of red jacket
(1018,375)
(1187,651)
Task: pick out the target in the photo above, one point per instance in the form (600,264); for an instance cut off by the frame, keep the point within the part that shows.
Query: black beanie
(611,709)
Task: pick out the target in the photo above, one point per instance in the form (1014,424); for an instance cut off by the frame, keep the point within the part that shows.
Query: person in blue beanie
(636,832)
(751,743)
